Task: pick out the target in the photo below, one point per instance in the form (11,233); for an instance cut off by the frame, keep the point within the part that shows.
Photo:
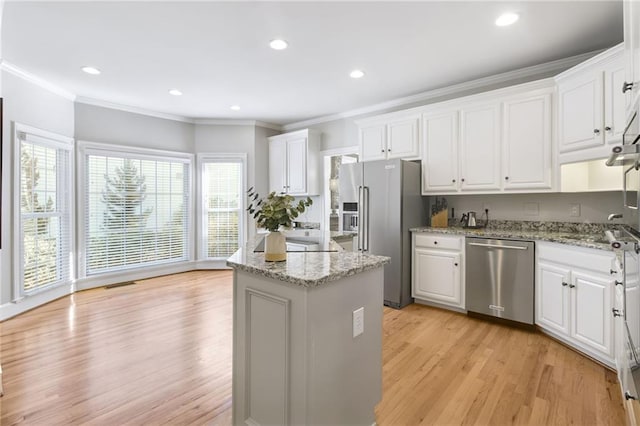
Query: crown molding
(532,71)
(230,122)
(34,79)
(133,109)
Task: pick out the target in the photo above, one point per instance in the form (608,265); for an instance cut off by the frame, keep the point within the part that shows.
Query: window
(136,210)
(43,161)
(223,204)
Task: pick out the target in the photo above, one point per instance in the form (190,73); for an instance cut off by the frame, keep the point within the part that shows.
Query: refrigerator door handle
(361,224)
(366,215)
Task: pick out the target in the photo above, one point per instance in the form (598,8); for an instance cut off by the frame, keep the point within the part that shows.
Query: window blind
(136,211)
(45,207)
(223,206)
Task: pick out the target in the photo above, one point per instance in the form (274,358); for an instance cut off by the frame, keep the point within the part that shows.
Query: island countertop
(306,269)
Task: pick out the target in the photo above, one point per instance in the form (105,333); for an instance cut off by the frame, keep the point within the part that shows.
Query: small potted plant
(275,212)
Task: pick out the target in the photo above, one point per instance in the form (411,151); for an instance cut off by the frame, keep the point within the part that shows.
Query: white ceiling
(217,53)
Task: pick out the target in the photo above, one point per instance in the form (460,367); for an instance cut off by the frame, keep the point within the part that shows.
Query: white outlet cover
(358,322)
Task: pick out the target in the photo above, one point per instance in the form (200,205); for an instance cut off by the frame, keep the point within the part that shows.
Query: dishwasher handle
(498,246)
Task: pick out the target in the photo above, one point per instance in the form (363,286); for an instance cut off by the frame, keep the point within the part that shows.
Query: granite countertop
(575,234)
(306,269)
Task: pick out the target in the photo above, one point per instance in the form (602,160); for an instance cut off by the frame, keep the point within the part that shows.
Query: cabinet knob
(506,178)
(628,396)
(616,312)
(564,284)
(382,150)
(607,128)
(613,271)
(618,282)
(596,131)
(572,286)
(455,264)
(388,149)
(435,242)
(462,179)
(626,87)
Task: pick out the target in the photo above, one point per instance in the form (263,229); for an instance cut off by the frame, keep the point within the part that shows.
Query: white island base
(295,360)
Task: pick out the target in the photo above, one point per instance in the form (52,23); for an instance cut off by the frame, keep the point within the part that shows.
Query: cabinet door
(403,138)
(373,142)
(297,166)
(437,276)
(632,45)
(527,143)
(480,148)
(615,103)
(552,297)
(440,152)
(591,316)
(580,112)
(278,166)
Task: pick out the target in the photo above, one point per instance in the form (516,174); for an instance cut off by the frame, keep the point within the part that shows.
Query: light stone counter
(307,269)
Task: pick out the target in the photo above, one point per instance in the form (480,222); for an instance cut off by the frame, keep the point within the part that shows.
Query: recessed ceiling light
(356,74)
(235,107)
(278,44)
(507,19)
(91,70)
(175,92)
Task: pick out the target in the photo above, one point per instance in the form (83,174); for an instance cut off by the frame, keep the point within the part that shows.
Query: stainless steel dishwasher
(499,278)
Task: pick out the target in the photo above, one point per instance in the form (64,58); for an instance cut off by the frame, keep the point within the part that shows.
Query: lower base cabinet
(574,297)
(437,269)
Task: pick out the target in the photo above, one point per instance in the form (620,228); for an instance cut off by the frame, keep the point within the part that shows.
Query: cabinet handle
(616,312)
(596,131)
(618,282)
(613,271)
(628,396)
(607,128)
(564,284)
(626,87)
(572,286)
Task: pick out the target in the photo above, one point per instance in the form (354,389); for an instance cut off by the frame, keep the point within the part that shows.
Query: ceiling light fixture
(507,19)
(278,44)
(235,107)
(91,70)
(175,92)
(356,74)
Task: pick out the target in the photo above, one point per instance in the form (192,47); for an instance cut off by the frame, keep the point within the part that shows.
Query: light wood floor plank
(159,352)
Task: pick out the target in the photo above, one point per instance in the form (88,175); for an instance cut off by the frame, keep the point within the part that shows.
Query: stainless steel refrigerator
(389,202)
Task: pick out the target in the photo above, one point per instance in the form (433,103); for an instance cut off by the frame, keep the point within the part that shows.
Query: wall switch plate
(358,322)
(531,209)
(574,210)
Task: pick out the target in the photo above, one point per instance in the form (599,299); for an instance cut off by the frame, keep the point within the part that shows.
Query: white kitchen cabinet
(495,143)
(440,152)
(480,147)
(437,269)
(574,297)
(295,163)
(526,144)
(632,50)
(390,137)
(591,107)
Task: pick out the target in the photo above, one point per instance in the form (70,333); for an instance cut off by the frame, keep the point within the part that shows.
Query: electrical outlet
(574,210)
(358,322)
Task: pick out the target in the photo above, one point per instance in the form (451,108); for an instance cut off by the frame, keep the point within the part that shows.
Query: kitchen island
(295,357)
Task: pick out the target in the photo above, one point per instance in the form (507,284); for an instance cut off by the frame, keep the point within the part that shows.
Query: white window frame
(202,159)
(64,194)
(86,148)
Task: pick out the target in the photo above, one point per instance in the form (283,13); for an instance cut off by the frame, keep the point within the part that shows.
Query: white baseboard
(12,309)
(138,274)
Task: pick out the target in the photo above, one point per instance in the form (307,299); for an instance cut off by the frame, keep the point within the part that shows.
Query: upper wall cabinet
(389,137)
(591,107)
(295,164)
(500,144)
(632,51)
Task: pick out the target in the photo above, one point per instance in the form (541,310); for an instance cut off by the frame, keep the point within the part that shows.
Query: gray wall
(105,125)
(28,104)
(594,207)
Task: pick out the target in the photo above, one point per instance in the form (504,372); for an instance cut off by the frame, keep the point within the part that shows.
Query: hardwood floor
(159,352)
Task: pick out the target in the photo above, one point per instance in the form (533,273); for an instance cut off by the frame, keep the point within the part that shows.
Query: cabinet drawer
(438,241)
